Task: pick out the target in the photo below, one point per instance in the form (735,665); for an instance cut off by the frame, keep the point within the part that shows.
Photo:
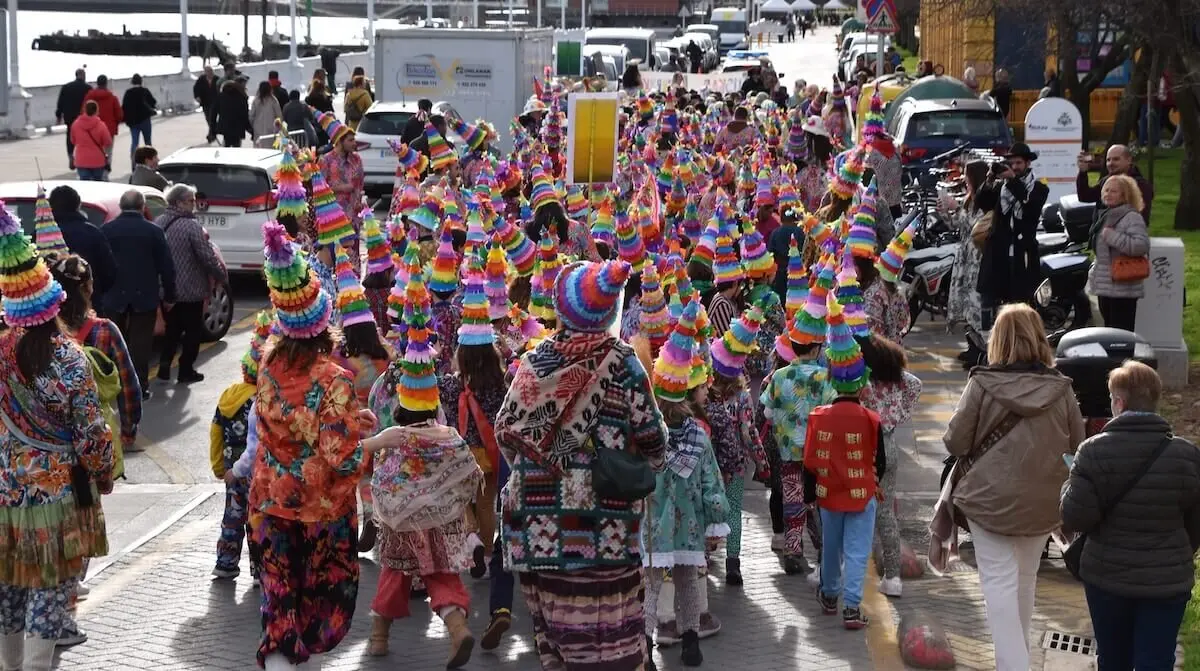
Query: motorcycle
(1061,299)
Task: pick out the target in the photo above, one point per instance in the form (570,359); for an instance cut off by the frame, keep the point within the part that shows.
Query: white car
(234,197)
(383,121)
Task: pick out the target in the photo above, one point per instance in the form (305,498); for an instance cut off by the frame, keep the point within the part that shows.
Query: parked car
(712,55)
(235,196)
(100,205)
(383,121)
(927,128)
(639,41)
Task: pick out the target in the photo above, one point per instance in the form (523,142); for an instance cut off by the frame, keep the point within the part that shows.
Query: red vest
(840,450)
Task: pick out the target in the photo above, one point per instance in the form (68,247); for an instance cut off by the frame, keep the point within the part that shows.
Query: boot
(461,640)
(366,542)
(691,649)
(500,623)
(733,571)
(377,645)
(12,654)
(650,666)
(39,654)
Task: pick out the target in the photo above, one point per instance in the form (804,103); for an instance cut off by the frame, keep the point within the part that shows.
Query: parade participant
(445,313)
(424,478)
(380,272)
(342,168)
(788,397)
(586,605)
(688,508)
(736,134)
(724,302)
(573,236)
(813,177)
(887,308)
(892,395)
(227,442)
(1015,421)
(471,397)
(883,160)
(844,461)
(309,462)
(365,356)
(730,412)
(478,138)
(57,452)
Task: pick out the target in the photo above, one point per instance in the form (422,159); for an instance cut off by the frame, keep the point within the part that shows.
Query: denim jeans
(846,543)
(143,130)
(90,174)
(1134,633)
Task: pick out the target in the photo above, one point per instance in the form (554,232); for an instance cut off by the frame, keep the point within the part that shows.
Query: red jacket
(843,455)
(110,108)
(90,137)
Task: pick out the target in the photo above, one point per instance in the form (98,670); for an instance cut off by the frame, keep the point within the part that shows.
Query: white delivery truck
(731,22)
(483,73)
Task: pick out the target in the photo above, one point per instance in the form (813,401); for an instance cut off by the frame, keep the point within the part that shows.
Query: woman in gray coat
(1136,564)
(1121,231)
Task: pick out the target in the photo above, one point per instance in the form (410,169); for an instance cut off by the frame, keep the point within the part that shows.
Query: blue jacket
(86,240)
(144,264)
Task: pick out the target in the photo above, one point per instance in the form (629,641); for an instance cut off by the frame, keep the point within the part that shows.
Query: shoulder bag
(982,230)
(1074,552)
(619,474)
(1129,268)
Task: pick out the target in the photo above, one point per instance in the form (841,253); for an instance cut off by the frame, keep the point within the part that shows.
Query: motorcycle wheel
(1054,317)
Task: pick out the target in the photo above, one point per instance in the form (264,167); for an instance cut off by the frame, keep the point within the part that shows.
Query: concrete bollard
(923,642)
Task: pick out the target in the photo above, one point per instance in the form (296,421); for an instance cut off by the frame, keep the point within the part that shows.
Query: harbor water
(43,68)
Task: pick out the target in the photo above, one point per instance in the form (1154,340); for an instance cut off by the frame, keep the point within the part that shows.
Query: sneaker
(189,377)
(82,591)
(501,621)
(829,605)
(796,565)
(709,625)
(668,633)
(226,573)
(853,618)
(691,655)
(891,586)
(72,636)
(777,543)
(814,578)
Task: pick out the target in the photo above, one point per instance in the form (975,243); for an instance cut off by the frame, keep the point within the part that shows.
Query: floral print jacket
(309,456)
(788,396)
(50,423)
(734,435)
(894,402)
(688,505)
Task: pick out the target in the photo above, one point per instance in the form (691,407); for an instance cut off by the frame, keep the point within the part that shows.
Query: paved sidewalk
(157,607)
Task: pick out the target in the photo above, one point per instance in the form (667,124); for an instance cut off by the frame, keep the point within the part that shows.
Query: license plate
(387,153)
(215,222)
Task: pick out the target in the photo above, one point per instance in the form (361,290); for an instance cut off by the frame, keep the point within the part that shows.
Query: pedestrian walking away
(70,103)
(138,108)
(204,92)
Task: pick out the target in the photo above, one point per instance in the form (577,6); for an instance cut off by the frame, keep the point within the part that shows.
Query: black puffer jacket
(1144,547)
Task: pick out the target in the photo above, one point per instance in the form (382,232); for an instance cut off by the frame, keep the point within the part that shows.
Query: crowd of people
(565,389)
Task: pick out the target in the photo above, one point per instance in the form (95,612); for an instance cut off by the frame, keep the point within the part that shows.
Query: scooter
(1061,299)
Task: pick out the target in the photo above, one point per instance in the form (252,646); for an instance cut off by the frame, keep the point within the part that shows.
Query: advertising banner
(1054,129)
(592,138)
(717,82)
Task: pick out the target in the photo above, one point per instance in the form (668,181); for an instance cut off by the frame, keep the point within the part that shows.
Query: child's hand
(367,421)
(230,477)
(712,544)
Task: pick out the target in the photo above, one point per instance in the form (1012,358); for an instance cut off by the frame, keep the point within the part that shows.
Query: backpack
(108,384)
(354,112)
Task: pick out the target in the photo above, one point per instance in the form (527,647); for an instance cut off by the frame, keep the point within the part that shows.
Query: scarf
(423,478)
(1009,200)
(687,444)
(558,395)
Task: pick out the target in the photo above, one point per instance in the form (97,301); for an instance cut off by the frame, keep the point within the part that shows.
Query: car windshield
(956,123)
(637,48)
(384,123)
(224,182)
(738,27)
(24,209)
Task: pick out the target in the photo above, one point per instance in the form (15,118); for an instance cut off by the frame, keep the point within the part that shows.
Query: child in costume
(688,508)
(843,462)
(227,442)
(446,316)
(730,412)
(381,273)
(893,395)
(424,478)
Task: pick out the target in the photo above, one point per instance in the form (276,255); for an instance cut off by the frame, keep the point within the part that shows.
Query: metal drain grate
(1070,643)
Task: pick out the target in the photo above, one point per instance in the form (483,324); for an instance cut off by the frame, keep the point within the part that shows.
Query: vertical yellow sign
(592,138)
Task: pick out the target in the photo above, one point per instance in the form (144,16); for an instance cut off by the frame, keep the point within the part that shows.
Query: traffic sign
(881,16)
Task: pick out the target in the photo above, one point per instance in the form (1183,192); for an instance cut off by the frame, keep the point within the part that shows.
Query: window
(223,182)
(731,27)
(956,124)
(384,123)
(639,49)
(24,208)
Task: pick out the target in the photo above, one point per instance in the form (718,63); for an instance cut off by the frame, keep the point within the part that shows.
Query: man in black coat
(415,126)
(82,237)
(70,102)
(205,92)
(1010,269)
(144,266)
(280,93)
(233,113)
(695,55)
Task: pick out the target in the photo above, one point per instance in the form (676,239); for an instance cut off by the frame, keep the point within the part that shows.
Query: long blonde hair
(1131,193)
(1019,337)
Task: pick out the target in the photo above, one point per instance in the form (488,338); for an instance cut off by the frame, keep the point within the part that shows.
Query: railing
(34,111)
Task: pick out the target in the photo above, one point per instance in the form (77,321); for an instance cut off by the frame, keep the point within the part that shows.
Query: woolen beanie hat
(587,295)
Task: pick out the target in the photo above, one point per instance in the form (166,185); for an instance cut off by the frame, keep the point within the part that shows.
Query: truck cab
(731,22)
(640,42)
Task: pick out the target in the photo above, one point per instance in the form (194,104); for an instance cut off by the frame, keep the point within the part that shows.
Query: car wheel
(218,312)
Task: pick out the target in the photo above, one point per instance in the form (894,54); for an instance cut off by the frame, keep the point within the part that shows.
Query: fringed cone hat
(630,247)
(441,156)
(797,281)
(810,321)
(848,371)
(891,261)
(673,366)
(335,130)
(46,234)
(861,240)
(264,321)
(301,307)
(333,226)
(417,389)
(850,296)
(379,257)
(496,282)
(290,194)
(518,247)
(31,295)
(409,160)
(729,352)
(655,321)
(587,295)
(476,327)
(351,299)
(757,261)
(443,276)
(726,267)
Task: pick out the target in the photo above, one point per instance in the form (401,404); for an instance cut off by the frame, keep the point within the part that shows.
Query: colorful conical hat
(757,261)
(552,127)
(351,299)
(31,295)
(443,276)
(587,295)
(379,256)
(291,197)
(417,390)
(891,261)
(673,366)
(630,247)
(473,135)
(301,307)
(409,160)
(333,226)
(520,250)
(496,281)
(441,156)
(726,267)
(334,130)
(603,224)
(850,296)
(476,327)
(848,371)
(849,174)
(655,320)
(542,188)
(810,321)
(263,323)
(46,234)
(797,281)
(861,240)
(729,352)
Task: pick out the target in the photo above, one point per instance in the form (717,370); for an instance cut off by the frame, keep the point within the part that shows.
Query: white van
(639,41)
(731,21)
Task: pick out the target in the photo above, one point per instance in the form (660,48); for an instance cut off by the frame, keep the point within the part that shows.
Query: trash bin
(1087,355)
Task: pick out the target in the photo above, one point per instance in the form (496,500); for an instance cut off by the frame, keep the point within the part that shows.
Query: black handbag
(621,475)
(1074,552)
